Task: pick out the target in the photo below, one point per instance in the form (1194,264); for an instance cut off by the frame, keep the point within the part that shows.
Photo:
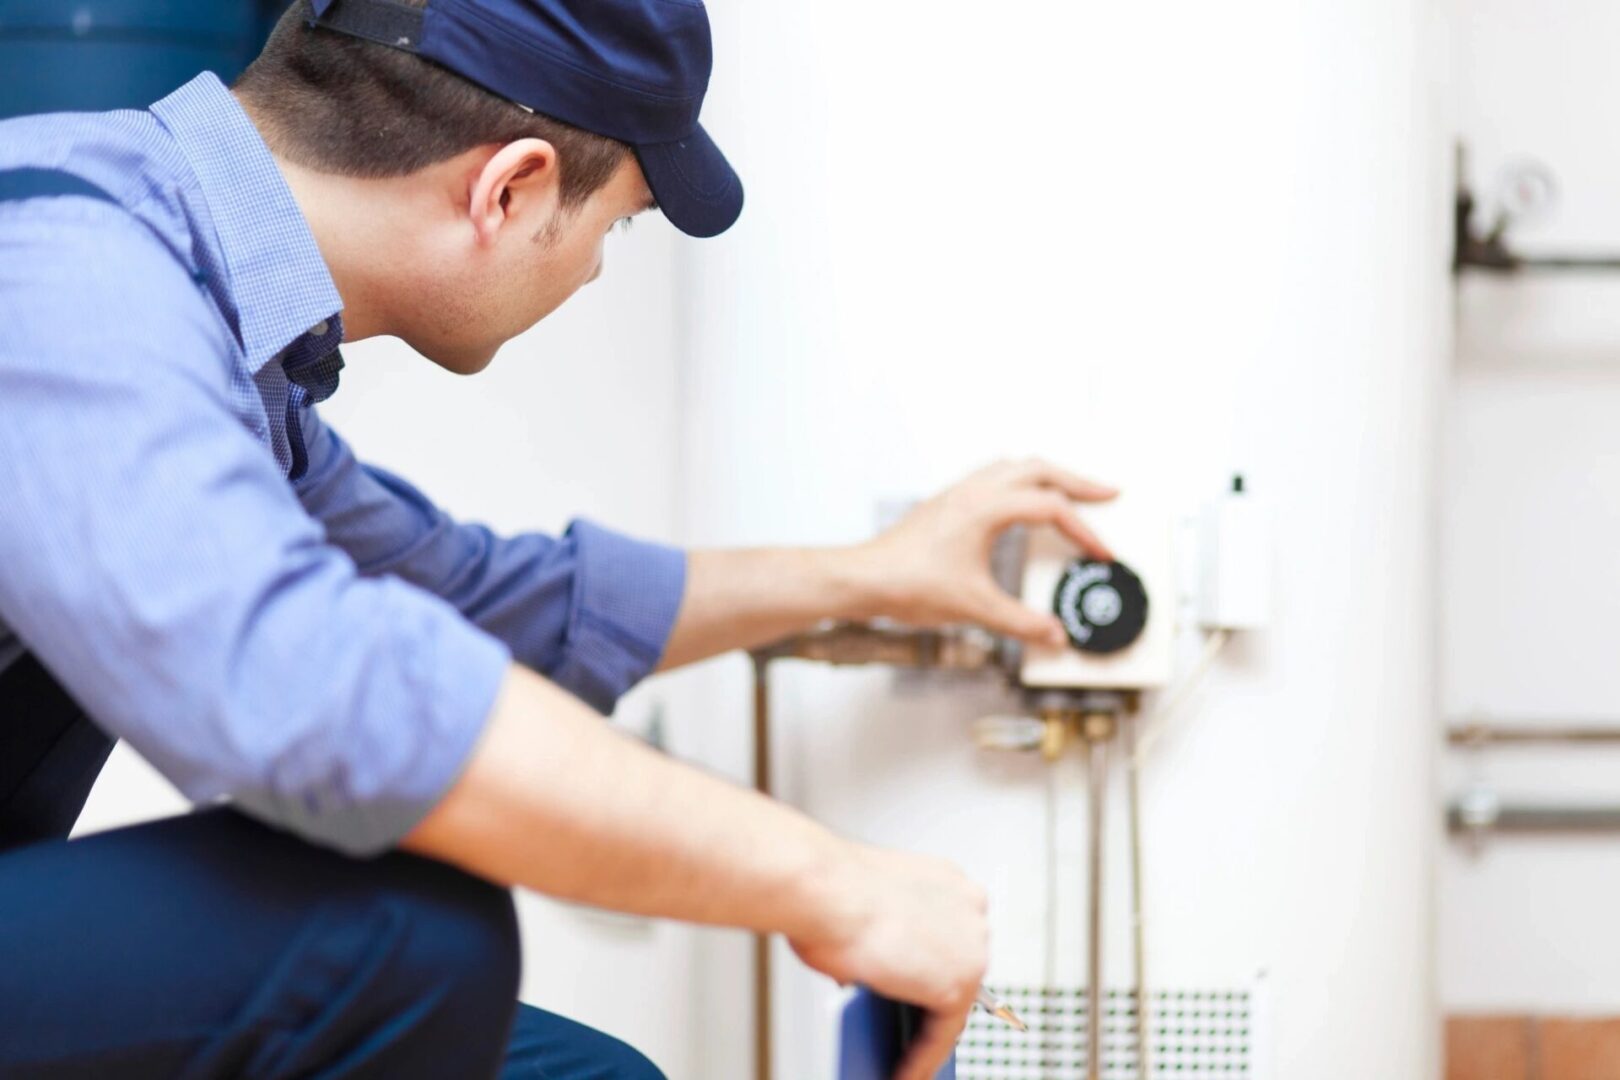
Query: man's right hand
(557,801)
(911,928)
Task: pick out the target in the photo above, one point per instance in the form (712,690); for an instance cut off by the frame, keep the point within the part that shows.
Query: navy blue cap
(633,70)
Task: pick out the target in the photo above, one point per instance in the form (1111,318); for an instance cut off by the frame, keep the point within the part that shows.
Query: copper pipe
(762,942)
(1096,729)
(1480,733)
(1144,1013)
(950,648)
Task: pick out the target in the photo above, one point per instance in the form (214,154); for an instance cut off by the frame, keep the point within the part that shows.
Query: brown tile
(1579,1049)
(1488,1048)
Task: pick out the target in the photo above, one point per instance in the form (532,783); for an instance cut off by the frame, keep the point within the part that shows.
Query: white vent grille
(1196,1035)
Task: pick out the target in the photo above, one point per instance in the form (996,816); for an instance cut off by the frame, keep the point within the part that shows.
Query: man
(400,710)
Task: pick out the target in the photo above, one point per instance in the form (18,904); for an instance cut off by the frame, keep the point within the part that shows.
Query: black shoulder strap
(50,755)
(33,183)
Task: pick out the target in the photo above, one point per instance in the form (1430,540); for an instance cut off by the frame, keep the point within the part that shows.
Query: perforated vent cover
(1207,1034)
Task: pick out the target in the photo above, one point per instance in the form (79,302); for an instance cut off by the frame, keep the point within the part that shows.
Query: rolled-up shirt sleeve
(155,560)
(591,610)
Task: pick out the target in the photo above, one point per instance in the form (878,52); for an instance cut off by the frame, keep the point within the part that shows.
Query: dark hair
(337,104)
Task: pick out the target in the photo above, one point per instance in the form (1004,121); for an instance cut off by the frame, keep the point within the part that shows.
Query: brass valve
(1049,733)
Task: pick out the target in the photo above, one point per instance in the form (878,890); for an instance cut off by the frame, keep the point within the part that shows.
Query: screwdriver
(999,1009)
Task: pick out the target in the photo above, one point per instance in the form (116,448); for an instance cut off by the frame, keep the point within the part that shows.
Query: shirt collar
(279,281)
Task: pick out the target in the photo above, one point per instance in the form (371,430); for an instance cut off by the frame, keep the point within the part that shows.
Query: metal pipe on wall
(762,942)
(1467,817)
(1144,1012)
(957,648)
(1478,733)
(1097,729)
(1097,779)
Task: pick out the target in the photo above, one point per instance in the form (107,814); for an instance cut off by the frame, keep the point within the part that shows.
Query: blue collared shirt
(200,561)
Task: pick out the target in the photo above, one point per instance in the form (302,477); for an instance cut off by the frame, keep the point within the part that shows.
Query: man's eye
(624,223)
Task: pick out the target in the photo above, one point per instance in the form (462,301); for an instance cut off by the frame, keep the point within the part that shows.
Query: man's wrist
(830,903)
(851,582)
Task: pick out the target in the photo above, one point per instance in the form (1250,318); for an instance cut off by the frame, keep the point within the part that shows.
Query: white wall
(1157,243)
(578,417)
(1532,518)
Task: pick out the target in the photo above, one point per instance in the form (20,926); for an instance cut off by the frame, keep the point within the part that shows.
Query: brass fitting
(1097,727)
(1056,727)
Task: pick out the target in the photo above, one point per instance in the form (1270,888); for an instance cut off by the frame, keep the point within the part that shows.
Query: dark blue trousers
(209,946)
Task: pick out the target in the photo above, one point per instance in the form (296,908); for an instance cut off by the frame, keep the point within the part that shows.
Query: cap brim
(695,186)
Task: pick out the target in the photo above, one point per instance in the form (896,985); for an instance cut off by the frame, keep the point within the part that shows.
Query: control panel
(1119,616)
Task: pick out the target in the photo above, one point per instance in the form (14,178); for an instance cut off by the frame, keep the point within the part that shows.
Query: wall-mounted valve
(1527,189)
(1022,734)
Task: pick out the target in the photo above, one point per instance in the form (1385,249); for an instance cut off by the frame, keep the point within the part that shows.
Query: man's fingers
(1044,474)
(932,1047)
(1008,615)
(1043,507)
(1070,525)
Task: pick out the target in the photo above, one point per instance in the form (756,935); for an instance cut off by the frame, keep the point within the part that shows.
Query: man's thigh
(210,946)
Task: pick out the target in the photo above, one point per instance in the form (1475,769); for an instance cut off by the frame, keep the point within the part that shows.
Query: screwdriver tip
(1005,1014)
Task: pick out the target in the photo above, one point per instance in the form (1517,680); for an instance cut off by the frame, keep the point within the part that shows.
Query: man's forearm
(929,569)
(739,599)
(559,802)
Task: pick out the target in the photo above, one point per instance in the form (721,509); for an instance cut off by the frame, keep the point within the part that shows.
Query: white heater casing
(1142,536)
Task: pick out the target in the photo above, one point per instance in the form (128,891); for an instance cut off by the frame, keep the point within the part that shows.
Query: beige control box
(1120,619)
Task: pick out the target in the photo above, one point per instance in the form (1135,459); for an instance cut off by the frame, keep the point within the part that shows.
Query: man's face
(480,295)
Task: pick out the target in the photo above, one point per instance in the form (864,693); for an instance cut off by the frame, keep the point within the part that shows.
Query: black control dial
(1103,605)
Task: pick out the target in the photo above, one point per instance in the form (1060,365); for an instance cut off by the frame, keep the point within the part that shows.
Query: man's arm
(533,808)
(590,609)
(931,568)
(595,611)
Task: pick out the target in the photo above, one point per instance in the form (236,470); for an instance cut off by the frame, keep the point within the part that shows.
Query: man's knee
(615,1060)
(460,941)
(435,967)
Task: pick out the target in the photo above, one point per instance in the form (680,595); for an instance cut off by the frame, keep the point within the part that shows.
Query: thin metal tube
(1178,695)
(1566,262)
(1143,1025)
(956,648)
(1097,765)
(1497,259)
(762,942)
(1049,965)
(1473,733)
(1042,1018)
(1534,819)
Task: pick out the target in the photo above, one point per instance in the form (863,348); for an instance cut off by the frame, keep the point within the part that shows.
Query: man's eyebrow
(650,204)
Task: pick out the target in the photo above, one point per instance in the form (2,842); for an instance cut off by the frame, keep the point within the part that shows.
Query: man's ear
(523,172)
